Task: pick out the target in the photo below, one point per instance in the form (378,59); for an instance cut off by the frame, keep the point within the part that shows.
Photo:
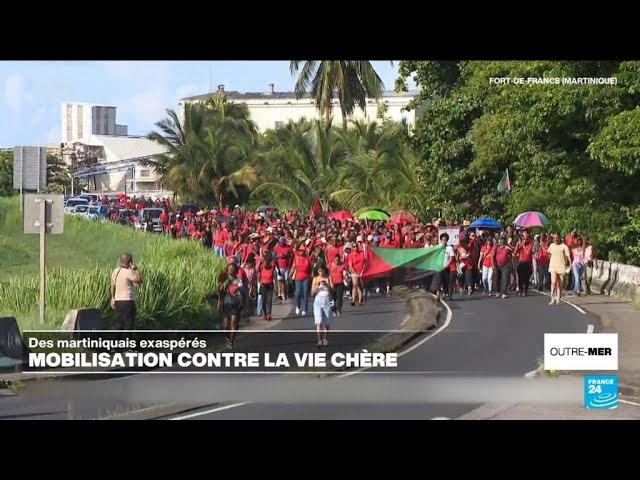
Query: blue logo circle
(605,400)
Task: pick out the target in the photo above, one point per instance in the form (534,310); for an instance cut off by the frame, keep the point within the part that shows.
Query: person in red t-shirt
(301,274)
(465,260)
(267,280)
(284,255)
(541,254)
(524,253)
(356,264)
(336,271)
(502,261)
(485,265)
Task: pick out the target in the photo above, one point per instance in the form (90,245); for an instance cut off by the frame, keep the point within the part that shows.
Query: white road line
(206,412)
(400,354)
(531,374)
(590,328)
(565,301)
(629,403)
(416,345)
(440,418)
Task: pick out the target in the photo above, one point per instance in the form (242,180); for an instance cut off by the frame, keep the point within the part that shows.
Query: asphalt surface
(80,399)
(486,337)
(481,337)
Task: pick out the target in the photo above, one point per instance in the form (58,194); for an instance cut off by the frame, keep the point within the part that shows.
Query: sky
(31,92)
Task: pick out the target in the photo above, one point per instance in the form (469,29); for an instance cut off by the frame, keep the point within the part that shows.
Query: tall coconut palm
(351,81)
(208,156)
(301,164)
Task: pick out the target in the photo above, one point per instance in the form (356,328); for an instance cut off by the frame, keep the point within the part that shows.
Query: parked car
(70,205)
(155,217)
(98,212)
(81,210)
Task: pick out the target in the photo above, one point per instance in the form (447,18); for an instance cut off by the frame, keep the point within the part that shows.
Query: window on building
(80,121)
(69,123)
(279,125)
(144,173)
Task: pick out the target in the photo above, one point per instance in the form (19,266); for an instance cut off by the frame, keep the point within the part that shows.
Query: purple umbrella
(531,219)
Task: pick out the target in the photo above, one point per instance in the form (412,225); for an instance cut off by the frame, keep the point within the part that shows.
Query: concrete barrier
(12,347)
(611,278)
(83,319)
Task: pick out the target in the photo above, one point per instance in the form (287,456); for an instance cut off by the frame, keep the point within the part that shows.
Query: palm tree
(352,81)
(300,165)
(380,170)
(209,155)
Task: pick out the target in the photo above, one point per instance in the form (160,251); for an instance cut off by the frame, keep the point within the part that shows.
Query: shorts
(283,274)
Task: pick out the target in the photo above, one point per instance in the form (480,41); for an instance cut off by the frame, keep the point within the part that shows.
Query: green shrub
(177,274)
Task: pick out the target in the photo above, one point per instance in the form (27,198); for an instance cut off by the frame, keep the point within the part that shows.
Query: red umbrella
(342,216)
(403,216)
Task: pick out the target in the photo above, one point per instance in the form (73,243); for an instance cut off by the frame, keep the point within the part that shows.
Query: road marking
(531,374)
(565,301)
(629,403)
(418,344)
(590,328)
(440,418)
(400,354)
(206,412)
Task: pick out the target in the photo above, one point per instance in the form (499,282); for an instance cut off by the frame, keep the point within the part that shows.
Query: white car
(81,210)
(71,204)
(98,212)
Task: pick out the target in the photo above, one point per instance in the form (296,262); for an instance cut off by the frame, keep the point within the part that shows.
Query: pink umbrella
(531,219)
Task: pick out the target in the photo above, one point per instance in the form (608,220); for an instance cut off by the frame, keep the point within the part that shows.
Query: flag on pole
(316,209)
(505,183)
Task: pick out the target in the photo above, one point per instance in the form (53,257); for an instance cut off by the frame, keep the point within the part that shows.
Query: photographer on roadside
(123,292)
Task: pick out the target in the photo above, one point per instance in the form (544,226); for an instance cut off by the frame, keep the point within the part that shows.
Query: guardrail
(615,278)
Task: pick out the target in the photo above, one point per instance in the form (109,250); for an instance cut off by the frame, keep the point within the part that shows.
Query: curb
(423,317)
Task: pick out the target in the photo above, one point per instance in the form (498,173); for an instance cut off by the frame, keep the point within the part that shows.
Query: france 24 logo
(600,392)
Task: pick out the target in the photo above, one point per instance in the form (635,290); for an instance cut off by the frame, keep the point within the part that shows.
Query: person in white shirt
(123,292)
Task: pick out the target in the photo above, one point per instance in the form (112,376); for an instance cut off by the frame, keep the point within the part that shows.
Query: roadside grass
(178,275)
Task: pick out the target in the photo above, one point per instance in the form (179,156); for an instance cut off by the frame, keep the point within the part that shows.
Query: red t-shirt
(487,261)
(502,255)
(336,273)
(525,252)
(543,255)
(466,262)
(332,252)
(356,261)
(303,268)
(284,254)
(266,276)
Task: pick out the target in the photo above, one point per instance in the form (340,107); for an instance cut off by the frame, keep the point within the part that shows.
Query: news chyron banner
(207,351)
(586,352)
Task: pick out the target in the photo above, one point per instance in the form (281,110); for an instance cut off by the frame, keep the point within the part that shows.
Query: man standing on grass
(123,292)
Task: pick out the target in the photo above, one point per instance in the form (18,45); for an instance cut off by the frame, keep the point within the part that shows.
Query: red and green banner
(410,263)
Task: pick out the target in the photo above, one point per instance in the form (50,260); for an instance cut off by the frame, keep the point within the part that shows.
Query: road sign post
(43,215)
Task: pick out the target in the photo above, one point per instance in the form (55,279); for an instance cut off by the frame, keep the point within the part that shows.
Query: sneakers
(297,311)
(325,342)
(320,343)
(552,302)
(504,296)
(303,313)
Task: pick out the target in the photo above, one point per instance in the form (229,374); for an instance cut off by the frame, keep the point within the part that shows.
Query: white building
(81,120)
(272,109)
(103,158)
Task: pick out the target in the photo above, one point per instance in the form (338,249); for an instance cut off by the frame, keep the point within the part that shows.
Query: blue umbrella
(486,223)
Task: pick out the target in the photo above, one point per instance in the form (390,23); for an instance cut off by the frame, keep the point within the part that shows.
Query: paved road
(486,337)
(103,398)
(482,337)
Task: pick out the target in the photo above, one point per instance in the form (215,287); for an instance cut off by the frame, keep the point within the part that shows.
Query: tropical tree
(208,155)
(351,81)
(58,175)
(300,164)
(380,170)
(6,173)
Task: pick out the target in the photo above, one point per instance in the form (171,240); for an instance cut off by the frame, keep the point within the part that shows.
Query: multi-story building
(271,109)
(81,120)
(102,156)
